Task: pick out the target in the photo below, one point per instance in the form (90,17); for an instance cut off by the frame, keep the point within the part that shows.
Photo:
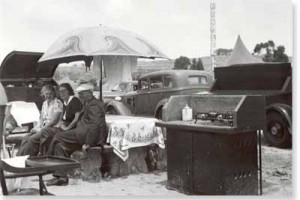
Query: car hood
(24,65)
(107,93)
(112,93)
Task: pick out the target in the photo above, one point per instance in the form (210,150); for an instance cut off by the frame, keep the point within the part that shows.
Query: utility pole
(213,37)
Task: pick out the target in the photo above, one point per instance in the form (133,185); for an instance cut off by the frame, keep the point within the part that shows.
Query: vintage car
(117,91)
(155,88)
(273,81)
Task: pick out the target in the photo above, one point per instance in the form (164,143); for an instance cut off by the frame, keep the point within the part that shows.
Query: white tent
(241,55)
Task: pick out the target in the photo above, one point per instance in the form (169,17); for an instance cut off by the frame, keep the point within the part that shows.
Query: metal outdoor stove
(217,152)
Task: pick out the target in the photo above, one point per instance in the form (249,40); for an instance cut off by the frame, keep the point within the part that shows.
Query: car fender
(106,101)
(161,103)
(285,110)
(119,107)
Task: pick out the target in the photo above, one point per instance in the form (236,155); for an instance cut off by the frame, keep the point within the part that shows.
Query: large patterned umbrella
(101,41)
(96,42)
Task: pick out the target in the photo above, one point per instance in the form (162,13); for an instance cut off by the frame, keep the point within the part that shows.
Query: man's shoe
(52,179)
(58,182)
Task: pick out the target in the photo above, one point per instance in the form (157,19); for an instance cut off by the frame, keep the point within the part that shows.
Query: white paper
(18,161)
(24,112)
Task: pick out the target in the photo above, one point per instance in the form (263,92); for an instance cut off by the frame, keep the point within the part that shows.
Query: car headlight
(117,98)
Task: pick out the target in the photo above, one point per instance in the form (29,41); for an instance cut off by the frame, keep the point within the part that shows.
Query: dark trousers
(47,135)
(31,144)
(64,144)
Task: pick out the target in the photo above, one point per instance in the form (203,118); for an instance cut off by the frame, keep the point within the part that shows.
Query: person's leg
(47,135)
(23,144)
(63,145)
(64,150)
(64,137)
(30,145)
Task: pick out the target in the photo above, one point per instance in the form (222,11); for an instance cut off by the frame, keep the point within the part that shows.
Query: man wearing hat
(90,131)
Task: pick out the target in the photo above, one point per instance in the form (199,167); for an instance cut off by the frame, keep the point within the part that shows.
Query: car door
(142,100)
(156,93)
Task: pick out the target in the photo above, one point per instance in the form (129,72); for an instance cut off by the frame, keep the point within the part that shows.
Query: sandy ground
(277,171)
(277,181)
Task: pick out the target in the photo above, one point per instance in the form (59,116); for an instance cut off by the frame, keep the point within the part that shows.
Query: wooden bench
(91,163)
(102,162)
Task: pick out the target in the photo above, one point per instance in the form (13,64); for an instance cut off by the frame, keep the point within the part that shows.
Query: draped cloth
(125,132)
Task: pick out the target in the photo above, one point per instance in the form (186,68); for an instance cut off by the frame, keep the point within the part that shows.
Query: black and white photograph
(148,99)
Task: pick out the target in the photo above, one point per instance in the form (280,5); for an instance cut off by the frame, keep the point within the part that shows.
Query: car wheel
(110,110)
(277,133)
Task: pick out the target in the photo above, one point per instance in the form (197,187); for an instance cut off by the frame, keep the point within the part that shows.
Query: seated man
(90,131)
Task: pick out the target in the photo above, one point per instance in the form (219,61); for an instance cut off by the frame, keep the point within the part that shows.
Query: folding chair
(34,166)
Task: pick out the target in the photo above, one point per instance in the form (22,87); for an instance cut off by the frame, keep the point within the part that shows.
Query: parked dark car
(271,80)
(155,88)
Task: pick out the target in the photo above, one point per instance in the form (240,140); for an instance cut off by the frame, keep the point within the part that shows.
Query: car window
(131,87)
(168,82)
(120,87)
(144,84)
(197,79)
(156,83)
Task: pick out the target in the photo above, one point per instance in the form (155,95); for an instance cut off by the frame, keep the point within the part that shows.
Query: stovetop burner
(223,118)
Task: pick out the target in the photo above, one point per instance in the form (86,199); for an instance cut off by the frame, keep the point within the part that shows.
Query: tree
(200,65)
(197,64)
(194,63)
(280,55)
(272,54)
(182,63)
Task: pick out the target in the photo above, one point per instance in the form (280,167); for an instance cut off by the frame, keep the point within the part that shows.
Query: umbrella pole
(100,84)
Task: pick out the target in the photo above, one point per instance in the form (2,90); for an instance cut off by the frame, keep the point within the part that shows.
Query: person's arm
(75,106)
(73,123)
(95,113)
(54,120)
(38,125)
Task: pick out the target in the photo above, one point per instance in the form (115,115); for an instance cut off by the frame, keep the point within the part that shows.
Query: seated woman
(71,112)
(51,112)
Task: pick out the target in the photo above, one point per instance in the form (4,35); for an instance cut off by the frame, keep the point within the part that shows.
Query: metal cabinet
(219,153)
(209,163)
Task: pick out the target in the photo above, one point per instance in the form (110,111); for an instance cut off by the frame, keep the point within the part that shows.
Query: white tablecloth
(126,132)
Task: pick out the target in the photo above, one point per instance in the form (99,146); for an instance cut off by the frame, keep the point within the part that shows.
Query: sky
(177,27)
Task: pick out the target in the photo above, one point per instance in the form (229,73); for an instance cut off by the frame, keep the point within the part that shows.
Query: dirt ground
(277,171)
(277,181)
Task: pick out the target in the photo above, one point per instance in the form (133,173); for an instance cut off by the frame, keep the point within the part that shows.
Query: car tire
(111,110)
(277,133)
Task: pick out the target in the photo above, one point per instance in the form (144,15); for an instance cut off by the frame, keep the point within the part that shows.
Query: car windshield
(120,87)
